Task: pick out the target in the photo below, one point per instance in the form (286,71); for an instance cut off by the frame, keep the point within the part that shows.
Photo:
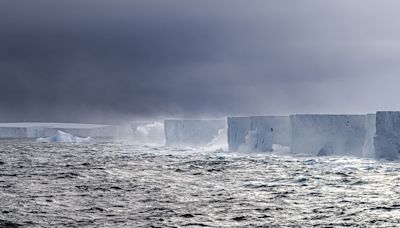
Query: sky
(99,61)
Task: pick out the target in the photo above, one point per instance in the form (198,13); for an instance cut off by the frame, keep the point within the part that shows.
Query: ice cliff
(328,134)
(370,124)
(258,133)
(35,130)
(387,139)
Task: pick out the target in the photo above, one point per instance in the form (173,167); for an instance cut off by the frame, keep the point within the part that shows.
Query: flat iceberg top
(330,115)
(259,116)
(52,125)
(195,120)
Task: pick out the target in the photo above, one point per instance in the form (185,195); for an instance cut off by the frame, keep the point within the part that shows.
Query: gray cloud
(93,60)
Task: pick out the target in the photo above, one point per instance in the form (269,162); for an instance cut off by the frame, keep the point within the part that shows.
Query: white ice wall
(387,138)
(280,126)
(36,130)
(328,134)
(238,129)
(370,124)
(192,132)
(258,133)
(13,132)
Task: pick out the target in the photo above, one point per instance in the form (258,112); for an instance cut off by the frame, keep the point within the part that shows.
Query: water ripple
(114,185)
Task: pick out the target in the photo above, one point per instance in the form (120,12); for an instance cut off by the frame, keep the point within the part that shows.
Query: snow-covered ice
(387,138)
(192,132)
(62,137)
(328,134)
(258,133)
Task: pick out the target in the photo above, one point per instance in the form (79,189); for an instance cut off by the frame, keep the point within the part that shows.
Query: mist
(106,61)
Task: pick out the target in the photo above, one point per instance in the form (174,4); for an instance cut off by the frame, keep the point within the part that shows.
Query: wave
(148,133)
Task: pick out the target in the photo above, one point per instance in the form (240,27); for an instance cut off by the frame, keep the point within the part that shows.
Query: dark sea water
(116,185)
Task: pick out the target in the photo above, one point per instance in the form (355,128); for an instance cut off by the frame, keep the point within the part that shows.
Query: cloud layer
(93,60)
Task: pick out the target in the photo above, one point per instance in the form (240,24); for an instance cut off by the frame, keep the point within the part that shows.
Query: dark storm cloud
(70,60)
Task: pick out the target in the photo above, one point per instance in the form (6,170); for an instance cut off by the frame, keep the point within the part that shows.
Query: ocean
(115,184)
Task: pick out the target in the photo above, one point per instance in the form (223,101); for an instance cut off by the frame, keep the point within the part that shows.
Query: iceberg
(322,135)
(258,133)
(368,147)
(13,132)
(35,130)
(194,133)
(62,137)
(279,125)
(387,138)
(238,130)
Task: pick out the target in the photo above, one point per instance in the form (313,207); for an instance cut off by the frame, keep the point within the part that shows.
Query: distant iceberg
(37,129)
(63,137)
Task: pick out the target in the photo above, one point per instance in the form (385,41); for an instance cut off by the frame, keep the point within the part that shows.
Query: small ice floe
(63,137)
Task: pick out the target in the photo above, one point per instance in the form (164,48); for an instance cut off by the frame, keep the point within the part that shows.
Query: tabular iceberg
(192,132)
(62,137)
(387,138)
(35,130)
(238,129)
(14,132)
(258,133)
(370,124)
(328,134)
